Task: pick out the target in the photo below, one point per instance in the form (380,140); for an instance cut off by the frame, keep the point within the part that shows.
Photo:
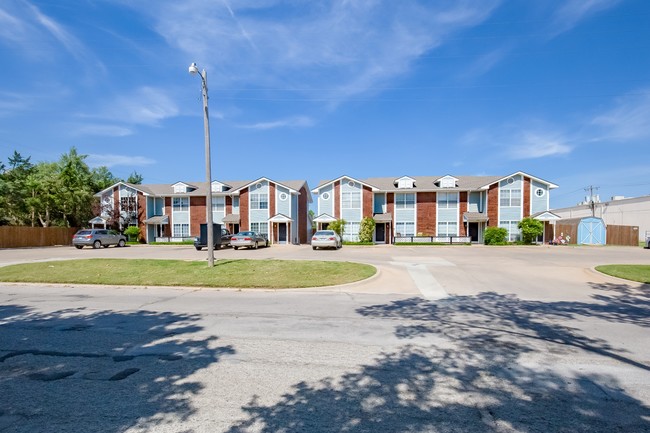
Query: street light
(193,69)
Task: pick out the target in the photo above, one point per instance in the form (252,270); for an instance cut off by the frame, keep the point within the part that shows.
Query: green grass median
(640,273)
(275,274)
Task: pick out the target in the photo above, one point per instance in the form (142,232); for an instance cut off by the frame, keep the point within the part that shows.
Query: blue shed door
(591,231)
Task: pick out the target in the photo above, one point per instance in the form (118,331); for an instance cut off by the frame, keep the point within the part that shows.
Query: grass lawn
(640,273)
(275,274)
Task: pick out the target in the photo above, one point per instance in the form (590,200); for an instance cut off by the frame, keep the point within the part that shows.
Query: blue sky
(317,89)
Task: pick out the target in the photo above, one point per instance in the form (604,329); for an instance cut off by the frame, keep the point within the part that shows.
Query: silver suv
(98,238)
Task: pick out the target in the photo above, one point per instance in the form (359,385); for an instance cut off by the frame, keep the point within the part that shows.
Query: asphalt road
(446,339)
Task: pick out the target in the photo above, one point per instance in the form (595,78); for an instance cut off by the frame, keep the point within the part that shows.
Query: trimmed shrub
(366,230)
(132,232)
(531,229)
(495,236)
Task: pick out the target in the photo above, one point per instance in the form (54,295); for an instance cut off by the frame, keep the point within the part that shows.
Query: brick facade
(493,205)
(142,214)
(426,213)
(243,210)
(168,211)
(462,208)
(366,206)
(198,214)
(303,224)
(337,199)
(526,200)
(228,205)
(272,199)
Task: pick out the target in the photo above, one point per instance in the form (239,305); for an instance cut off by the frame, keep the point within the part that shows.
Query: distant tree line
(57,193)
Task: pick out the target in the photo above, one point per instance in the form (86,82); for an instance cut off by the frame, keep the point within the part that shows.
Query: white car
(326,239)
(248,240)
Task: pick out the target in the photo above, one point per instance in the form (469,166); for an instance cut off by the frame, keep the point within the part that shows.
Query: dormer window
(405,182)
(447,182)
(180,188)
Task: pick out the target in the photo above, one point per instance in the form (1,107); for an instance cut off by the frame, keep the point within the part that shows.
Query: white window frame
(402,200)
(180,204)
(508,198)
(405,228)
(453,225)
(351,231)
(351,200)
(445,203)
(259,200)
(218,204)
(261,228)
(514,233)
(181,230)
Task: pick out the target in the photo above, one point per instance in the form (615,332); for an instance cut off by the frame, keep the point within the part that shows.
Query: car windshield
(84,232)
(325,233)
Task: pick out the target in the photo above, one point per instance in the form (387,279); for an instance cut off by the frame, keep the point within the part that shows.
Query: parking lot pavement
(535,272)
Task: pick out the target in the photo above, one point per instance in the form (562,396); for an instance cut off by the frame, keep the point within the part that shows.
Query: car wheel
(97,244)
(78,247)
(255,246)
(236,248)
(105,246)
(313,248)
(121,243)
(198,248)
(266,244)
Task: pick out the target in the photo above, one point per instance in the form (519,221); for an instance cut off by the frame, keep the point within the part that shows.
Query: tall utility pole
(592,204)
(194,70)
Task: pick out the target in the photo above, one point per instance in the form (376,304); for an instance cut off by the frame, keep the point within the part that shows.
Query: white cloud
(337,49)
(10,103)
(291,122)
(535,144)
(628,120)
(110,160)
(486,62)
(573,11)
(144,106)
(101,130)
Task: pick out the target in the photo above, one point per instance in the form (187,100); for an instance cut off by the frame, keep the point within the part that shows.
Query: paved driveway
(523,339)
(539,272)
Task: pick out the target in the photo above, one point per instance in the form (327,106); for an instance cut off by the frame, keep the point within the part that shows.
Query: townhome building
(172,212)
(440,206)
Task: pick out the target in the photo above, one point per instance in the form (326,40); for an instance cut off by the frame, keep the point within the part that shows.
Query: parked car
(249,240)
(220,241)
(326,239)
(98,238)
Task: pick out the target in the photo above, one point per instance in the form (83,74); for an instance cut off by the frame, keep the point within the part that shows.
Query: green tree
(13,190)
(133,232)
(495,236)
(312,216)
(367,229)
(77,189)
(103,178)
(135,178)
(43,185)
(531,229)
(338,226)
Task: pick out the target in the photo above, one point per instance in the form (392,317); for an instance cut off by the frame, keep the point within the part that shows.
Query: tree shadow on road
(100,371)
(472,363)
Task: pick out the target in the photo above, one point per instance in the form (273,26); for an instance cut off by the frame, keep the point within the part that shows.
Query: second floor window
(259,201)
(510,197)
(405,201)
(181,204)
(447,200)
(350,200)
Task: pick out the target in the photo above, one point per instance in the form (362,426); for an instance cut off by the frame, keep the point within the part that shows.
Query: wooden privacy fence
(623,235)
(567,230)
(18,237)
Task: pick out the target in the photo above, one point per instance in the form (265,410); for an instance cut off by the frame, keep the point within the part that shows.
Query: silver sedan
(249,240)
(326,239)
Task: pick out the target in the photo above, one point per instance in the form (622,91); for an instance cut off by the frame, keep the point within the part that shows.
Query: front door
(472,229)
(380,233)
(282,233)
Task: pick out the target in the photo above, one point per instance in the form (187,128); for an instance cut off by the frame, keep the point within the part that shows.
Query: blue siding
(326,206)
(475,204)
(259,215)
(282,206)
(538,204)
(511,213)
(448,215)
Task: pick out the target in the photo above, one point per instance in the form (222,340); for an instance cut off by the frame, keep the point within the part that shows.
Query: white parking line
(428,286)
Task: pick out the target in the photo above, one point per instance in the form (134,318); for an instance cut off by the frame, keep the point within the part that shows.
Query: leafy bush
(366,230)
(337,226)
(531,229)
(495,236)
(132,232)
